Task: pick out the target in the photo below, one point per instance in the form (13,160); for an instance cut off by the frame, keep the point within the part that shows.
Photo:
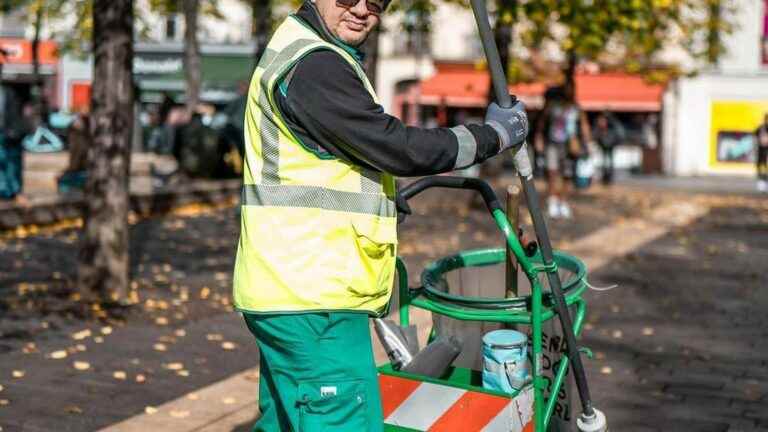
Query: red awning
(462,85)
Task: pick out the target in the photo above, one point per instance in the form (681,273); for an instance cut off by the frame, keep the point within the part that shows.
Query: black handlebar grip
(451,182)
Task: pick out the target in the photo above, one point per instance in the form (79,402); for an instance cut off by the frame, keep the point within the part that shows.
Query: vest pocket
(372,264)
(332,406)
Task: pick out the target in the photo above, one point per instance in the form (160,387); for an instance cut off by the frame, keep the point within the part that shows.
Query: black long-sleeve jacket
(326,105)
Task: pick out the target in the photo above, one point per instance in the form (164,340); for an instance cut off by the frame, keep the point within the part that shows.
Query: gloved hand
(510,123)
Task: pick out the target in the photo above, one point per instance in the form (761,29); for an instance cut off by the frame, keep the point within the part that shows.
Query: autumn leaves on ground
(689,309)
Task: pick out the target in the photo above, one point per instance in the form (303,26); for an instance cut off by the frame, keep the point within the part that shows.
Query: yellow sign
(732,133)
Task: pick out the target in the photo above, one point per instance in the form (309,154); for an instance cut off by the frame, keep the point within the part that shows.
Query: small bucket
(505,365)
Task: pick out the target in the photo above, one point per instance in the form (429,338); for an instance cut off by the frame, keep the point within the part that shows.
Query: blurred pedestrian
(79,142)
(12,130)
(762,155)
(561,137)
(608,133)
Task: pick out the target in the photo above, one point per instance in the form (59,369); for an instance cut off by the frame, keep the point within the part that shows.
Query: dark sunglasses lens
(347,3)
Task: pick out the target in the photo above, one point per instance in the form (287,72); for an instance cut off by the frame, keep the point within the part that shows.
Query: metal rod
(513,216)
(532,199)
(498,78)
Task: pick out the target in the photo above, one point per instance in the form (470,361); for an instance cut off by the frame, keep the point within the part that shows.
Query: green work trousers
(317,373)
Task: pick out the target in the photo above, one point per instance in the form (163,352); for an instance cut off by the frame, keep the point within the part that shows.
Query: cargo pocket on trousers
(332,406)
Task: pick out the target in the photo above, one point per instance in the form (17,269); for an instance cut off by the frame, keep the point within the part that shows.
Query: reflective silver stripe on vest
(467,147)
(318,197)
(284,57)
(267,58)
(370,181)
(270,144)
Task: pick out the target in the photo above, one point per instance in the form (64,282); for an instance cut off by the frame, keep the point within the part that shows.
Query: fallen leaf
(98,339)
(140,378)
(58,355)
(179,413)
(106,330)
(228,346)
(1,387)
(73,409)
(214,337)
(161,321)
(81,334)
(180,332)
(4,402)
(184,373)
(81,347)
(606,370)
(160,347)
(617,334)
(174,366)
(648,331)
(18,374)
(81,365)
(205,292)
(150,410)
(120,375)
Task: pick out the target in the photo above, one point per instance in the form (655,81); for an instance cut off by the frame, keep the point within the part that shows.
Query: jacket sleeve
(326,98)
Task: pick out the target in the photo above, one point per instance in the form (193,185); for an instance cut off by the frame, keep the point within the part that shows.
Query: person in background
(560,137)
(12,130)
(761,135)
(79,141)
(608,133)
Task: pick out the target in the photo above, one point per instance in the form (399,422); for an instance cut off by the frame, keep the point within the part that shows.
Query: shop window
(171,27)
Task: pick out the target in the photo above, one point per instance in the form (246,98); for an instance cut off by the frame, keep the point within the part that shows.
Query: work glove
(510,123)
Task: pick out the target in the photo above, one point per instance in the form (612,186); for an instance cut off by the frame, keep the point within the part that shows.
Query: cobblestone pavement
(682,343)
(656,367)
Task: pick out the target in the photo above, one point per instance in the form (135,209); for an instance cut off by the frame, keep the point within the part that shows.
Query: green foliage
(636,31)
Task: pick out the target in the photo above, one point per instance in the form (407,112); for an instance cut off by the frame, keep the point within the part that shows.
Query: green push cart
(457,401)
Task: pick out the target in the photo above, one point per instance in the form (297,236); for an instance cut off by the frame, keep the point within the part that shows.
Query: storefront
(710,119)
(17,68)
(458,93)
(159,70)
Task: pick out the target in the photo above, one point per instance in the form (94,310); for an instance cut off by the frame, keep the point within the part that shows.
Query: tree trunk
(261,26)
(103,259)
(192,54)
(570,77)
(371,49)
(38,81)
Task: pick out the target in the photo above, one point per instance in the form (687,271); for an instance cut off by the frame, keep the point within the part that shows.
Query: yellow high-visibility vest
(317,233)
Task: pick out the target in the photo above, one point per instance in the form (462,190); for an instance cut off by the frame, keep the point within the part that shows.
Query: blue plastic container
(505,362)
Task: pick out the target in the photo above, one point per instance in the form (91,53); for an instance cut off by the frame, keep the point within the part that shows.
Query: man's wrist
(503,137)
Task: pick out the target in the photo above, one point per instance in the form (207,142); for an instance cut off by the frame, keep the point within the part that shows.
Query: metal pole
(498,77)
(513,216)
(532,199)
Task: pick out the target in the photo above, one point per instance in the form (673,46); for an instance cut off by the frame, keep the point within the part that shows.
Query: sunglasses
(376,7)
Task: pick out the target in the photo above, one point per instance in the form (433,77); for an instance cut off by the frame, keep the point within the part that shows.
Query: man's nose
(360,9)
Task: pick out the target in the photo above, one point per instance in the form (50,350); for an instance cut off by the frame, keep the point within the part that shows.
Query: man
(561,129)
(318,241)
(761,135)
(608,133)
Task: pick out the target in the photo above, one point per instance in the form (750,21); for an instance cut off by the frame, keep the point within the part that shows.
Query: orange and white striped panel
(435,407)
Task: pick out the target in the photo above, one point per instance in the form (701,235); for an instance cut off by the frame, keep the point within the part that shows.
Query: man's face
(350,25)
